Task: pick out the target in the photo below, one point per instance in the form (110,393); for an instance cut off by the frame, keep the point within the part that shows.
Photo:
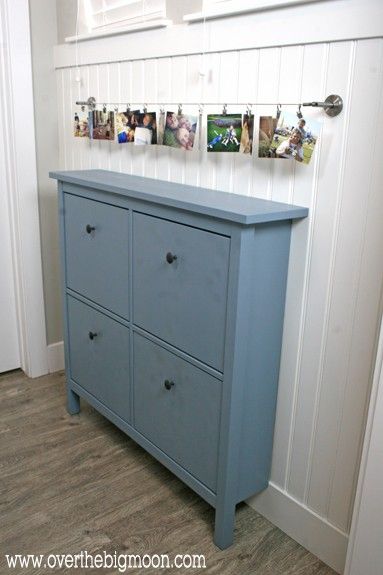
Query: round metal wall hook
(334,105)
(91,102)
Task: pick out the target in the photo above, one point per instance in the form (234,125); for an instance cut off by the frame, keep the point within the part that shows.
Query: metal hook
(224,110)
(180,109)
(299,113)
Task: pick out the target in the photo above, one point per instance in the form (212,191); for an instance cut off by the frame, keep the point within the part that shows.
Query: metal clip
(116,108)
(279,110)
(104,108)
(127,108)
(180,109)
(200,109)
(82,108)
(145,108)
(299,113)
(224,110)
(162,110)
(248,110)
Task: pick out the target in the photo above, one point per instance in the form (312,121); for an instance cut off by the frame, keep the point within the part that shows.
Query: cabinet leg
(73,402)
(224,526)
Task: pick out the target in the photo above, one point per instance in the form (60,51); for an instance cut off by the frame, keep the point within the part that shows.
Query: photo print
(246,143)
(101,125)
(294,138)
(136,127)
(180,130)
(267,126)
(224,132)
(81,125)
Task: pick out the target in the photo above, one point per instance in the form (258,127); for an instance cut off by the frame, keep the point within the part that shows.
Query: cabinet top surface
(227,206)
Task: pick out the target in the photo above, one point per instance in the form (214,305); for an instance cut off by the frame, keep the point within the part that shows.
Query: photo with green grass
(293,138)
(224,132)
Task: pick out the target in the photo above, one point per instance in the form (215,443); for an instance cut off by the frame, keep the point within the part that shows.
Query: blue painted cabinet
(173,310)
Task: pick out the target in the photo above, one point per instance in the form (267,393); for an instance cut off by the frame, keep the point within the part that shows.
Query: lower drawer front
(99,356)
(176,407)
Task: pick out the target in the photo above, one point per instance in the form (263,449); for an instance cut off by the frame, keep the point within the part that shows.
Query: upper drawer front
(181,301)
(97,260)
(177,407)
(99,356)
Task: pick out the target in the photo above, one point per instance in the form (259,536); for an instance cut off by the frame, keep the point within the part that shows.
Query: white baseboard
(56,360)
(302,524)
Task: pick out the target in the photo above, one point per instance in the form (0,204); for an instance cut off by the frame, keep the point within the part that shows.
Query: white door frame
(21,183)
(365,552)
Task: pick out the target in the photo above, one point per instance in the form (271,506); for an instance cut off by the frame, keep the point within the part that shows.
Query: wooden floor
(78,483)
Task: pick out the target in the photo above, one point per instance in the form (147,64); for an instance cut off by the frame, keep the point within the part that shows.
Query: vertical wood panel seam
(330,282)
(304,307)
(270,183)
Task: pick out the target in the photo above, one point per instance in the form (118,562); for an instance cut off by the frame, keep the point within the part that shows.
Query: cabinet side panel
(266,303)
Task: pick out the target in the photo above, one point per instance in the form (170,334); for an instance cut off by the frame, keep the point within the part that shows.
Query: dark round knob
(168,384)
(92,335)
(89,229)
(170,257)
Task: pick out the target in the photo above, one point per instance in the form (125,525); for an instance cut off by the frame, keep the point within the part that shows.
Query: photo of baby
(180,130)
(101,125)
(246,143)
(81,125)
(136,127)
(224,133)
(294,138)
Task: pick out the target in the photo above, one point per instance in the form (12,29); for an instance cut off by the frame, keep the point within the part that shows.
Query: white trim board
(21,186)
(56,358)
(347,20)
(302,524)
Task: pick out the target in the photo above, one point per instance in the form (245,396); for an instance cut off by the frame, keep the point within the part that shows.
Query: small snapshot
(81,125)
(267,127)
(101,125)
(246,143)
(224,132)
(136,127)
(180,130)
(294,138)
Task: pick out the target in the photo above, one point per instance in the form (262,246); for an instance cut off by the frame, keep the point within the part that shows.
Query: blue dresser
(173,308)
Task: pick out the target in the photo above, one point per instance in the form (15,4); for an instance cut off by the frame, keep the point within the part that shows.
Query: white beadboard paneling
(342,330)
(362,345)
(336,260)
(304,191)
(323,215)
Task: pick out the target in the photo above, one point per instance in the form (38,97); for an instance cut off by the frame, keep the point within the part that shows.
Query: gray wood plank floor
(78,483)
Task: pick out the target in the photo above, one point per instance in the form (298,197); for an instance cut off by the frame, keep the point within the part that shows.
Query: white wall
(43,40)
(336,262)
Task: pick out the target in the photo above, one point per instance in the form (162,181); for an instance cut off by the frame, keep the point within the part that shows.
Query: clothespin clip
(180,109)
(299,113)
(279,110)
(145,108)
(224,110)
